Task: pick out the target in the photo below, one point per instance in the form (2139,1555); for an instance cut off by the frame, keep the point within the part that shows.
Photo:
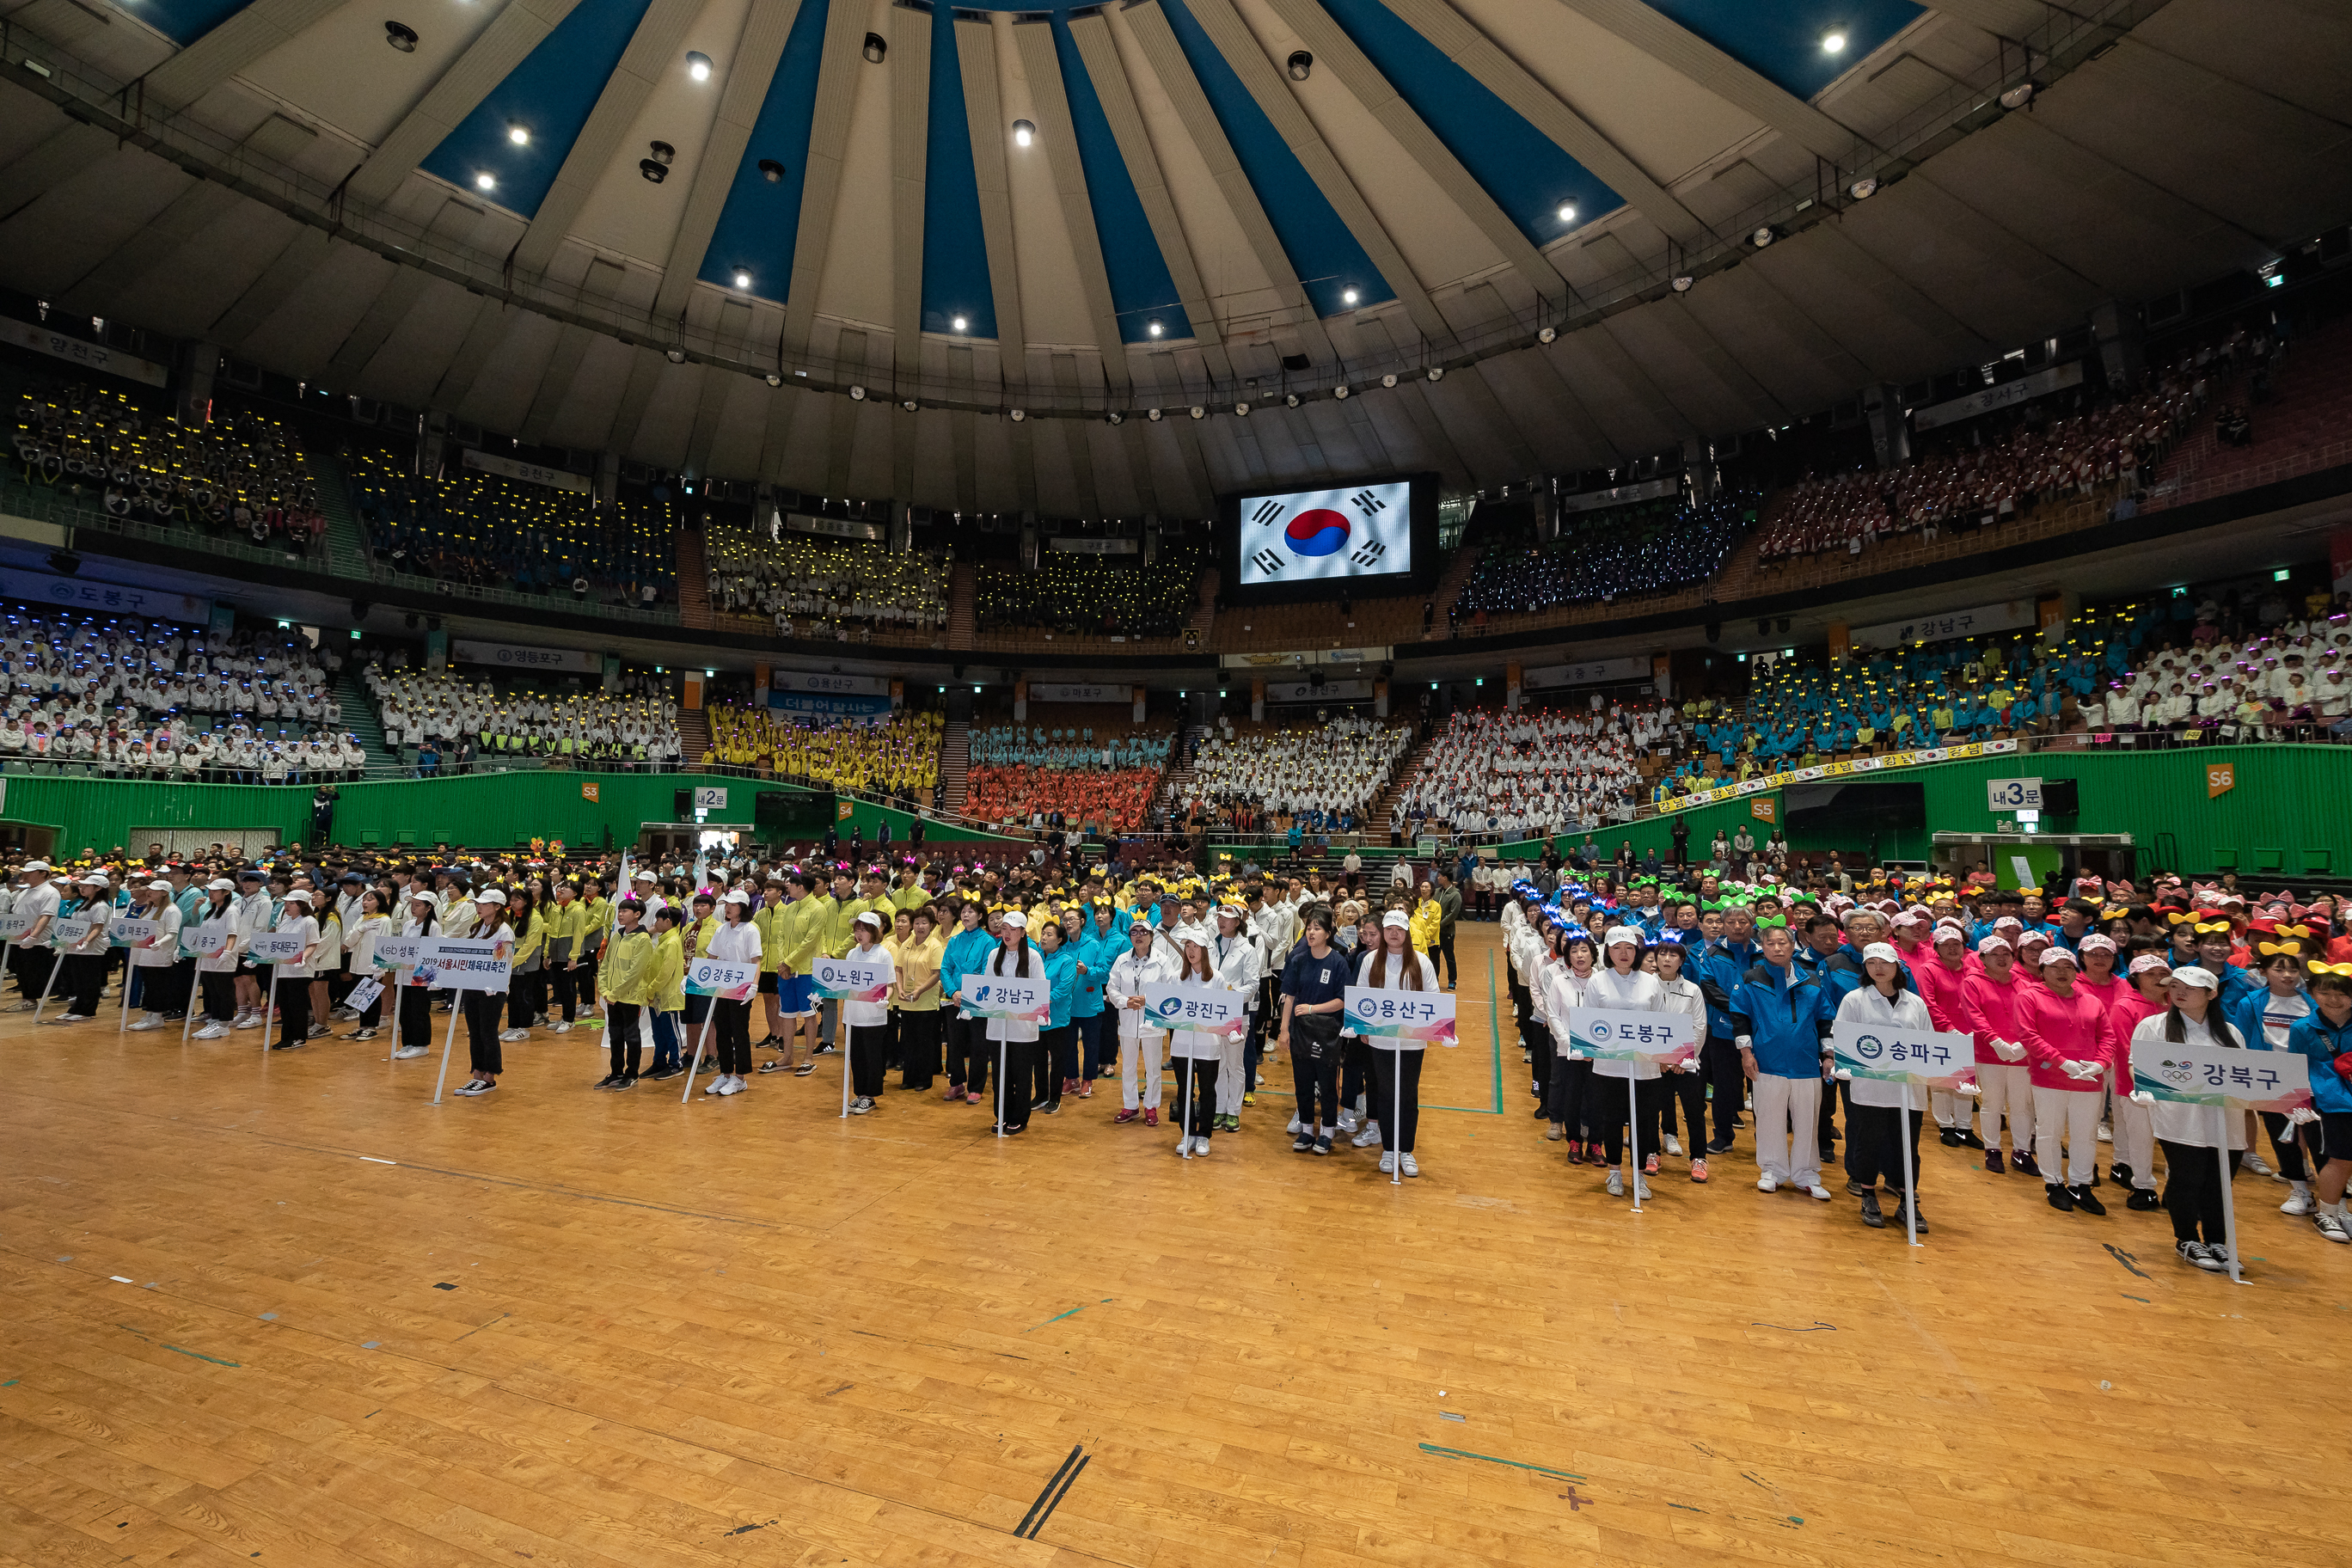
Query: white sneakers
(215,1031)
(405,1052)
(1193,1148)
(560,1028)
(1674,1145)
(1766,1184)
(728,1083)
(1819,1192)
(2331,1226)
(510,1035)
(2299,1202)
(250,1021)
(1368,1137)
(149,1021)
(1295,1127)
(1616,1184)
(1388,1163)
(1412,1166)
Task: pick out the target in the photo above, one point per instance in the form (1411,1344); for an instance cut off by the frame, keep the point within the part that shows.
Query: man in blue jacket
(1782,1016)
(1718,966)
(2322,1037)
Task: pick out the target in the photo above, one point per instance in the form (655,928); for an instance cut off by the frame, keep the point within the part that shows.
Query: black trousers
(623,1040)
(220,996)
(1687,1090)
(1057,1060)
(732,1024)
(1607,1104)
(1394,1074)
(525,1000)
(2193,1193)
(293,1012)
(1443,960)
(415,1015)
(969,1050)
(2291,1163)
(1197,1077)
(919,1047)
(84,983)
(482,1009)
(1540,1055)
(32,966)
(1568,1102)
(1014,1084)
(1356,1072)
(1315,1068)
(869,1044)
(1719,1070)
(1873,1151)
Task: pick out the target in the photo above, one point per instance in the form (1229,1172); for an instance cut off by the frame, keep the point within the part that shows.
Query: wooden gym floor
(280,1310)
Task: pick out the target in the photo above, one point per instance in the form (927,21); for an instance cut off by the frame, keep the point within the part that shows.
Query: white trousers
(1787,1128)
(1139,1071)
(2134,1138)
(2007,1087)
(2076,1113)
(1230,1084)
(1952,1111)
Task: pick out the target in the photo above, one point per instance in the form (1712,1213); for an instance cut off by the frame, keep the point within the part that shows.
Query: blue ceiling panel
(955,248)
(184,21)
(1141,291)
(759,224)
(1322,252)
(1524,170)
(1781,40)
(550,96)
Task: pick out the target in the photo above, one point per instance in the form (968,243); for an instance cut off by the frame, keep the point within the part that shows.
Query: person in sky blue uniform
(1781,1015)
(2323,1038)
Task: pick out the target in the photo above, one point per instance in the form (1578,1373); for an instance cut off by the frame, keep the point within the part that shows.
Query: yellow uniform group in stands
(888,756)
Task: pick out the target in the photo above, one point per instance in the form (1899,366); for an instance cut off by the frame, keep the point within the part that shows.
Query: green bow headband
(1762,920)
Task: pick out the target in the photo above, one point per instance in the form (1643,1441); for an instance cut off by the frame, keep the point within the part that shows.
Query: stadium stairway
(1449,588)
(359,714)
(693,585)
(693,735)
(1376,820)
(963,616)
(347,547)
(1204,616)
(955,756)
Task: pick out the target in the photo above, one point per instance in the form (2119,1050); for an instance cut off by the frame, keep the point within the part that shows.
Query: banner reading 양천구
(858,977)
(2219,1075)
(1420,1016)
(1199,1009)
(1005,996)
(717,978)
(1903,1056)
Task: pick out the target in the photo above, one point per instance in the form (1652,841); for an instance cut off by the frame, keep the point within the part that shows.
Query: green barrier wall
(478,811)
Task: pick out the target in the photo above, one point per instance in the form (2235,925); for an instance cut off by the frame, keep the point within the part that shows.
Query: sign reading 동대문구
(2275,1082)
(275,947)
(1898,1056)
(458,964)
(1005,996)
(717,978)
(1199,1009)
(859,977)
(1639,1040)
(1419,1017)
(1363,530)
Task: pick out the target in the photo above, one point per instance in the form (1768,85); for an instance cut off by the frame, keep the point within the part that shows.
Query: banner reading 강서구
(858,977)
(1420,1015)
(1005,996)
(2219,1075)
(717,978)
(1607,1035)
(1899,1056)
(1199,1009)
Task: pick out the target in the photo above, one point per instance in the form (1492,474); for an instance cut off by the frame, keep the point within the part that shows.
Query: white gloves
(2009,1050)
(1577,1055)
(1972,1088)
(2142,1096)
(2086,1072)
(1744,1042)
(1845,1075)
(2301,1116)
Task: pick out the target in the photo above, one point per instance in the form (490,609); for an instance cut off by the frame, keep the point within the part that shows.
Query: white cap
(297,896)
(737,896)
(1945,931)
(867,917)
(1231,912)
(159,886)
(220,885)
(491,896)
(93,879)
(643,875)
(2096,940)
(1013,918)
(1885,950)
(1192,936)
(2196,974)
(1397,918)
(2059,953)
(35,866)
(1626,935)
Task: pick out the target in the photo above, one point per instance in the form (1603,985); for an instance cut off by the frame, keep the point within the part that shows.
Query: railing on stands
(39,503)
(583,604)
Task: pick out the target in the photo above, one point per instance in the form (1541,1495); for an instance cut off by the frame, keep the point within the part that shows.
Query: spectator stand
(438,721)
(1639,550)
(1551,767)
(1080,767)
(1251,778)
(2283,408)
(890,756)
(790,584)
(1086,601)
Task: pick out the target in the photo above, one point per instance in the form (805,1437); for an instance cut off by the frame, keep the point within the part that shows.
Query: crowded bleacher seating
(809,587)
(1047,775)
(123,695)
(1517,775)
(1643,548)
(240,475)
(487,531)
(440,721)
(894,755)
(1326,775)
(1094,594)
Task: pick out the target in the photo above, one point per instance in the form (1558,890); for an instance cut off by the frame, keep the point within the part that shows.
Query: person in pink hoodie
(1990,999)
(2143,997)
(1940,972)
(2071,1046)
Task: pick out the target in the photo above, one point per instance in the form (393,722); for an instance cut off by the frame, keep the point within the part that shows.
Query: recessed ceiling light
(1292,400)
(1019,415)
(1023,133)
(1242,409)
(775,380)
(1197,412)
(1300,64)
(1683,284)
(1115,417)
(675,356)
(518,134)
(1546,334)
(1862,190)
(742,278)
(960,323)
(1763,236)
(1437,372)
(1152,414)
(1348,297)
(1340,390)
(1568,212)
(876,48)
(698,65)
(401,37)
(909,405)
(1155,329)
(1832,43)
(772,171)
(857,393)
(2018,97)
(486,181)
(1388,380)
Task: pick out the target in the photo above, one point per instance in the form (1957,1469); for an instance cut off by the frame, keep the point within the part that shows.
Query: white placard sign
(1412,1018)
(1591,672)
(1880,1058)
(275,947)
(2276,1081)
(857,977)
(1625,1044)
(458,964)
(129,932)
(718,977)
(1006,996)
(515,656)
(529,473)
(71,930)
(1078,692)
(1199,1009)
(400,951)
(15,924)
(710,798)
(205,939)
(2013,794)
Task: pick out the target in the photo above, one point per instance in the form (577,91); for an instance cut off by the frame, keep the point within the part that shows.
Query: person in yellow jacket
(525,1005)
(623,982)
(1427,918)
(802,930)
(595,924)
(769,917)
(665,988)
(694,942)
(566,927)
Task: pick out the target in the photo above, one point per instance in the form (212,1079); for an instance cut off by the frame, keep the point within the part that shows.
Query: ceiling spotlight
(2018,97)
(1862,190)
(775,380)
(1683,284)
(1348,297)
(401,37)
(1388,380)
(772,171)
(1152,414)
(1242,409)
(742,278)
(653,171)
(1437,372)
(1339,391)
(1763,236)
(1301,65)
(1546,334)
(1023,133)
(960,323)
(698,65)
(676,356)
(909,405)
(1155,329)
(1832,43)
(1568,212)
(1291,401)
(486,181)
(1197,412)
(876,46)
(1019,415)
(1115,417)
(518,134)
(857,393)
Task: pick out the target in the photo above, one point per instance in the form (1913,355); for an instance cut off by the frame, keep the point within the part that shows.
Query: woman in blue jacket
(1098,950)
(2323,1038)
(969,1052)
(1057,1043)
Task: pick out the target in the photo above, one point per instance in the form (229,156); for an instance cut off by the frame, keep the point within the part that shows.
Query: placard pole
(56,961)
(1396,1127)
(2228,1198)
(1184,1113)
(1002,1103)
(195,990)
(448,1041)
(1634,1139)
(270,1008)
(844,1027)
(1910,1181)
(709,1012)
(129,970)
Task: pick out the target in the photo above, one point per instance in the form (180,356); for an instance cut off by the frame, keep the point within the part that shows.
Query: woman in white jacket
(1396,1060)
(151,959)
(1688,1082)
(1236,954)
(369,924)
(1622,988)
(217,971)
(1139,1036)
(2194,1137)
(1016,958)
(1875,1119)
(1562,984)
(1196,1053)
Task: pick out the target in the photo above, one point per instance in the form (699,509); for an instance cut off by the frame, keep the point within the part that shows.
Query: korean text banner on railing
(1835,770)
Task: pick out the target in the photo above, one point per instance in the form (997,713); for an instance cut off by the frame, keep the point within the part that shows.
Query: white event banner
(1307,691)
(1591,672)
(1361,530)
(400,951)
(458,964)
(1006,996)
(69,932)
(854,977)
(87,355)
(2008,394)
(821,683)
(14,924)
(1881,1061)
(129,932)
(2001,617)
(205,939)
(275,947)
(515,656)
(1631,1044)
(1078,691)
(2275,1082)
(718,977)
(1198,1009)
(1621,495)
(100,597)
(529,473)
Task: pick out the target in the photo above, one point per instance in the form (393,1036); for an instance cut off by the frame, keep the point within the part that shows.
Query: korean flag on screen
(1363,530)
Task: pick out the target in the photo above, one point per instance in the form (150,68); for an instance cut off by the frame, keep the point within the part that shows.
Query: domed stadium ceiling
(960,256)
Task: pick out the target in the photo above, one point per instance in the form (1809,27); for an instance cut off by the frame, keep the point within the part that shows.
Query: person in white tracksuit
(1139,1037)
(1622,987)
(1236,954)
